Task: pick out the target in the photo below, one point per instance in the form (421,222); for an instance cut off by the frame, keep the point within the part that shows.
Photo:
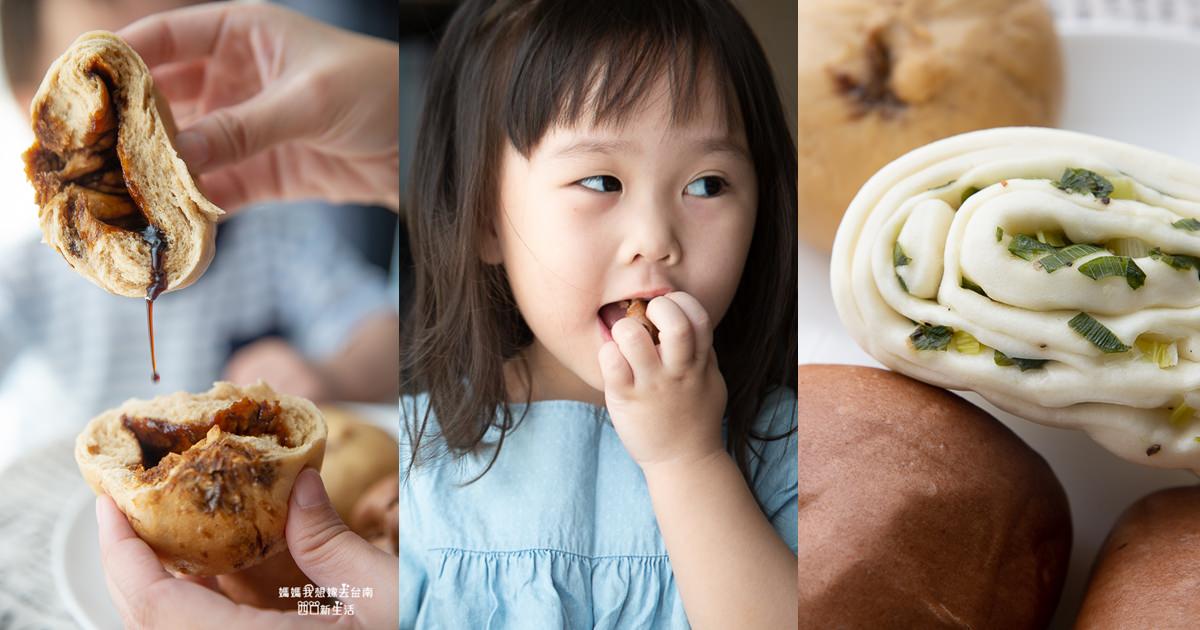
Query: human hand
(666,401)
(323,547)
(278,363)
(273,105)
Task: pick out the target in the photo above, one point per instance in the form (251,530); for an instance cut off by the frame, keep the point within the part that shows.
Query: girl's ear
(489,246)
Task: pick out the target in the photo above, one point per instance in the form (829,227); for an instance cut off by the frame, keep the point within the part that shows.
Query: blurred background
(303,294)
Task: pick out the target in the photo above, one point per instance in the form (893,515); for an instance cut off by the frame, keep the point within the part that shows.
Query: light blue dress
(560,533)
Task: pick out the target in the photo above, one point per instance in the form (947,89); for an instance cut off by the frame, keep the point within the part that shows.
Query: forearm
(731,568)
(366,368)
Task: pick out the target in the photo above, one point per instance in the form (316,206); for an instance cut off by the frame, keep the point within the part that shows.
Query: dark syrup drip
(158,283)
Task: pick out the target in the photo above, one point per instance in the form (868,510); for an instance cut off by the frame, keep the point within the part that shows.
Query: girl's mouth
(610,314)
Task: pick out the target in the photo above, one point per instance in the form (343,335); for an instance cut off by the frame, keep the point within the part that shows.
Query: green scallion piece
(1189,224)
(1119,266)
(1095,332)
(1081,180)
(1182,415)
(967,192)
(1028,247)
(930,337)
(1066,256)
(1123,188)
(1003,360)
(903,284)
(898,257)
(1131,247)
(1177,261)
(971,286)
(999,233)
(1053,237)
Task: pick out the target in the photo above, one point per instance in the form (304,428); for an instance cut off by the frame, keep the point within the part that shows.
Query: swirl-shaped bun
(111,189)
(1055,273)
(204,478)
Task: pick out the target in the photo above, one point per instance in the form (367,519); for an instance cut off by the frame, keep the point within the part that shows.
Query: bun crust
(107,178)
(204,478)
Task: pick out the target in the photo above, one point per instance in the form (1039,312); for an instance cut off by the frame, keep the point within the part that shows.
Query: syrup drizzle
(158,283)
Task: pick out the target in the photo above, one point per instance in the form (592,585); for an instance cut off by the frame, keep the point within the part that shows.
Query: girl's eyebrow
(723,144)
(587,146)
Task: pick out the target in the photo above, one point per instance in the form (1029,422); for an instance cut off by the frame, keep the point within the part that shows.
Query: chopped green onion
(999,233)
(1178,261)
(942,186)
(1182,415)
(1028,247)
(966,343)
(898,257)
(903,284)
(1003,360)
(1123,188)
(970,190)
(1054,237)
(1163,353)
(1097,334)
(1131,247)
(1120,266)
(1066,256)
(971,286)
(1081,180)
(1190,224)
(930,337)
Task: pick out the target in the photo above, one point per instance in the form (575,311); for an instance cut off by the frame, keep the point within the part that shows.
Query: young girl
(561,469)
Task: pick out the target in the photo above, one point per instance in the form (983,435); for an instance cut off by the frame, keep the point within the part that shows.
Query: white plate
(1121,85)
(75,546)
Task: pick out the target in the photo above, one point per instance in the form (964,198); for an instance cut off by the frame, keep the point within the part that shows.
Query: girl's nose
(652,236)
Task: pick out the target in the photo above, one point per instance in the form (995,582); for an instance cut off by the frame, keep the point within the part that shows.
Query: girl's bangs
(596,63)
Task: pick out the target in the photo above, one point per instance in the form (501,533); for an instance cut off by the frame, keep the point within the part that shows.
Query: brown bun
(1148,573)
(878,79)
(204,479)
(376,517)
(357,454)
(919,510)
(108,182)
(636,309)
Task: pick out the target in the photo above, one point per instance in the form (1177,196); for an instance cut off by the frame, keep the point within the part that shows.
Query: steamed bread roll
(1055,273)
(205,478)
(115,199)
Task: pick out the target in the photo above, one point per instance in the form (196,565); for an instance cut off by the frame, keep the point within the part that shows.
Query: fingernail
(192,147)
(309,490)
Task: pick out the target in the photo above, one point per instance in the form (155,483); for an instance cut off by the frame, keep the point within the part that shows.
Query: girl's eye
(709,186)
(601,183)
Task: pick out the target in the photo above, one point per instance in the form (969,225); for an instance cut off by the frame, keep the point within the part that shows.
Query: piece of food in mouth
(204,479)
(1145,576)
(636,309)
(114,198)
(878,79)
(1055,273)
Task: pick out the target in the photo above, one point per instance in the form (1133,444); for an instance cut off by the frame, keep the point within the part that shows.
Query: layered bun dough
(204,479)
(919,510)
(114,197)
(1055,273)
(878,78)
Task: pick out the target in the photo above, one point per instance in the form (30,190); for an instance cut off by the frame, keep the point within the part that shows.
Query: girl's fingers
(675,336)
(180,82)
(701,324)
(613,367)
(635,345)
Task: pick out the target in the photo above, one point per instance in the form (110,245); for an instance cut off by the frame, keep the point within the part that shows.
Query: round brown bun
(204,479)
(376,516)
(112,192)
(878,78)
(920,510)
(357,454)
(1146,575)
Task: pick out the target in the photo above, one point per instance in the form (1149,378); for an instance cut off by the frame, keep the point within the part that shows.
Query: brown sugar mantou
(919,510)
(114,197)
(878,78)
(376,516)
(636,309)
(204,479)
(1146,575)
(357,454)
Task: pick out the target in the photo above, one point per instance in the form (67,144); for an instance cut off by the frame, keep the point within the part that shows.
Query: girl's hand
(666,402)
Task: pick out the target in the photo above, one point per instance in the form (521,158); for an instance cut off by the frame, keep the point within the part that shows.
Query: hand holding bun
(204,479)
(919,510)
(1146,574)
(115,200)
(636,309)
